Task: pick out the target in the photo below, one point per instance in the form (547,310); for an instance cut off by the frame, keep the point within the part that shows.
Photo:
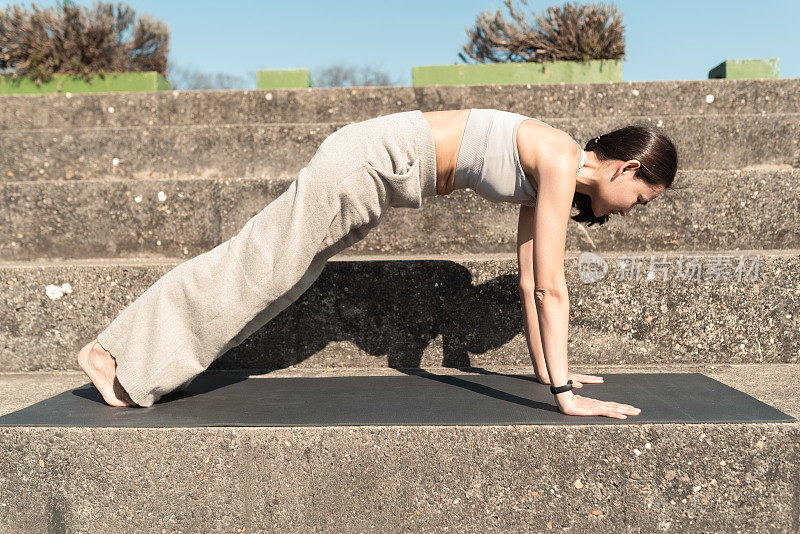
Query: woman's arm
(553,206)
(530,317)
(527,284)
(551,299)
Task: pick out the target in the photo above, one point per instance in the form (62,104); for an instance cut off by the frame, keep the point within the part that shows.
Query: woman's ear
(632,165)
(618,170)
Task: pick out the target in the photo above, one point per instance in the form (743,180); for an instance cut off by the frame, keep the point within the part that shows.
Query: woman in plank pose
(211,303)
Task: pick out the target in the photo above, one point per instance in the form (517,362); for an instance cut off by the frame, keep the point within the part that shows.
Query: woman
(207,305)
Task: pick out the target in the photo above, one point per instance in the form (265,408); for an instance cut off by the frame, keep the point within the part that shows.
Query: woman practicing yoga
(211,303)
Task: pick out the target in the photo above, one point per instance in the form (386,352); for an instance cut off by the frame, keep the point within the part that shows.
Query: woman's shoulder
(539,143)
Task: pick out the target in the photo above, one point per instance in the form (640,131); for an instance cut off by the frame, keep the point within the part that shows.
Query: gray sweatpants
(211,303)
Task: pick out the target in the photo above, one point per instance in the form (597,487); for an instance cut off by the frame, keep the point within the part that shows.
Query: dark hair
(656,154)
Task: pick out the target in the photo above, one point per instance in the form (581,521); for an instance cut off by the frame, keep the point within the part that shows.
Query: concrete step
(718,210)
(740,477)
(259,150)
(351,104)
(451,311)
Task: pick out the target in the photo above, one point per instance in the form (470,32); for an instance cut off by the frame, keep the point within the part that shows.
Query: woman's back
(477,149)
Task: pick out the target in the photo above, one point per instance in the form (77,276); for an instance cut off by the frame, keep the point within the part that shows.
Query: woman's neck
(586,178)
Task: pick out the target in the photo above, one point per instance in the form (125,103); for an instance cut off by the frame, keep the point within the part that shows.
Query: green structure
(595,70)
(746,68)
(283,79)
(100,83)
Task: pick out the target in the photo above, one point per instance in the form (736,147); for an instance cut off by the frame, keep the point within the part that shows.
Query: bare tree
(342,75)
(185,79)
(77,40)
(571,32)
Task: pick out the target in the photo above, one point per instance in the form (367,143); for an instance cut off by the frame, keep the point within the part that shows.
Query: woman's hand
(577,405)
(577,379)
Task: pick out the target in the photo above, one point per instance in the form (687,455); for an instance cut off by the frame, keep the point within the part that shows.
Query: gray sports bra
(488,159)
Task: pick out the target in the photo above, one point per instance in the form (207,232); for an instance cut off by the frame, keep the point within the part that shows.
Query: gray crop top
(488,159)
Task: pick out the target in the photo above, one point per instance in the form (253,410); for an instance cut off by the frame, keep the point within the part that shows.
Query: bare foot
(101,367)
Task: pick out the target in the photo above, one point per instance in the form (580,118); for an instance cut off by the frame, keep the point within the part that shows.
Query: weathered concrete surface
(264,150)
(713,210)
(446,311)
(583,478)
(366,316)
(545,101)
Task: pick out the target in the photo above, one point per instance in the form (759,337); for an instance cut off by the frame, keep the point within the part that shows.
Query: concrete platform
(344,104)
(633,478)
(258,150)
(419,311)
(718,210)
(102,194)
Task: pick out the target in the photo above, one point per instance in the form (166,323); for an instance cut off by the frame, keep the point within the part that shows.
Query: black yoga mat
(417,397)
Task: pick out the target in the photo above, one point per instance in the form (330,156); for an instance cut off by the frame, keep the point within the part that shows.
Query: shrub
(77,40)
(571,32)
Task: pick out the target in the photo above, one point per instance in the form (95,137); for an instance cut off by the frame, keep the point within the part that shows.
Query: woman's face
(619,189)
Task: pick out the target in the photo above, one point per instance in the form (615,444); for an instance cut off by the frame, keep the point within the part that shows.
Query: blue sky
(675,40)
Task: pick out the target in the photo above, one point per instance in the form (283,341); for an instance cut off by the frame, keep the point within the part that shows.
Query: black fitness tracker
(561,389)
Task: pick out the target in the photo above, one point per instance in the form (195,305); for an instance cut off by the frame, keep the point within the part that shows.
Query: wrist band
(561,389)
